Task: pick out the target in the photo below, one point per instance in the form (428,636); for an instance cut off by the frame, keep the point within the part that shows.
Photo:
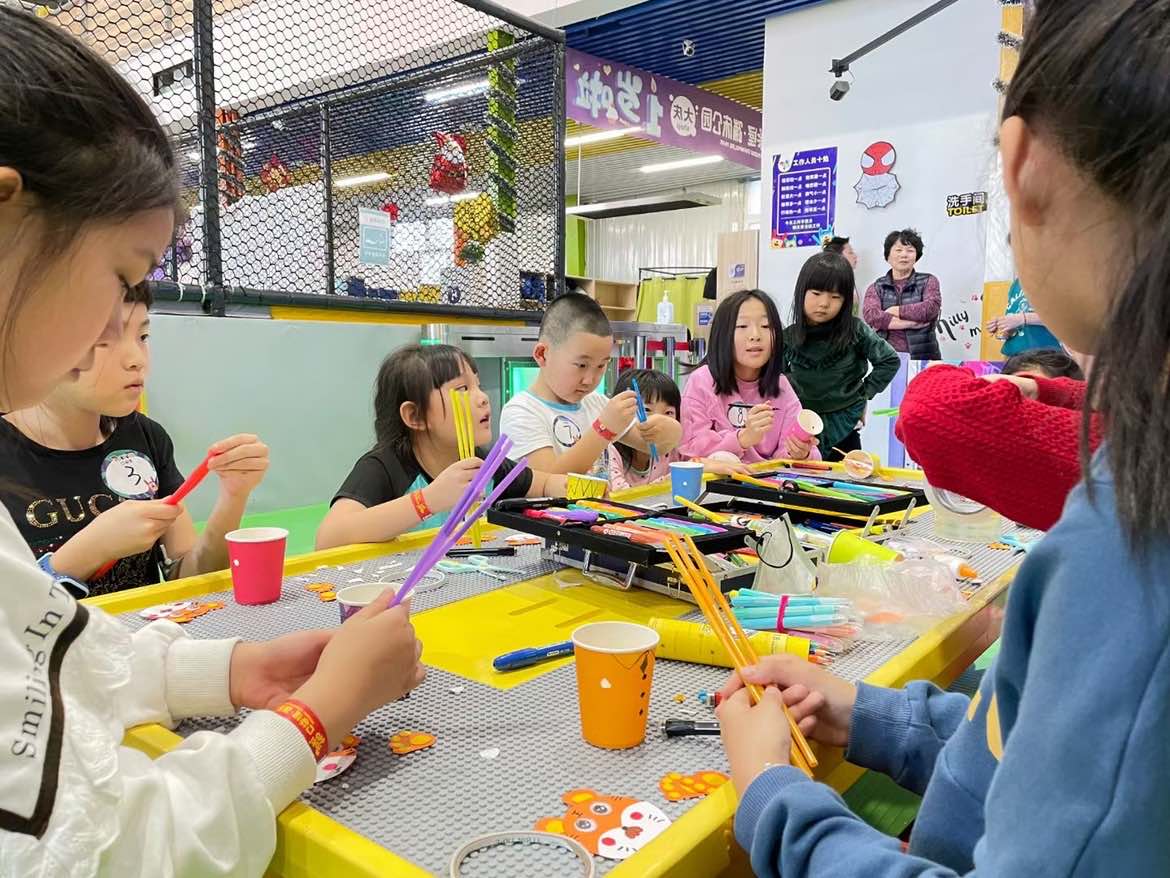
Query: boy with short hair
(561,423)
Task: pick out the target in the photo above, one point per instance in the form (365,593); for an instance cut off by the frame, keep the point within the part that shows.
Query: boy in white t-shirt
(561,423)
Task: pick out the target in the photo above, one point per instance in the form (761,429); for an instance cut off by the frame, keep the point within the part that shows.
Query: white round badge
(130,474)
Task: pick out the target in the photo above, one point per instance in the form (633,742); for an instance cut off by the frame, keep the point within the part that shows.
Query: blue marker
(525,658)
(642,416)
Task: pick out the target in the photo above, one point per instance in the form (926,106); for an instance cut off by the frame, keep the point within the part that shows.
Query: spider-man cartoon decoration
(449,168)
(878,186)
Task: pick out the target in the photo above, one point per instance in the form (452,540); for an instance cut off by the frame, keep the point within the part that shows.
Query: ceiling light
(361,180)
(599,136)
(440,200)
(455,92)
(681,163)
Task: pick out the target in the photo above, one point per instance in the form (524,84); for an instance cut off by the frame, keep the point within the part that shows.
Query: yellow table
(312,845)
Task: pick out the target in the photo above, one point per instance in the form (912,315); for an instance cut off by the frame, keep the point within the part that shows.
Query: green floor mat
(882,803)
(301,522)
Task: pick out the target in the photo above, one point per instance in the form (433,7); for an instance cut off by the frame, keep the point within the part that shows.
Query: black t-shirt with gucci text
(53,494)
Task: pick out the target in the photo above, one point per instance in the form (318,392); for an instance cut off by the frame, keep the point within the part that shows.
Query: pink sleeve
(704,430)
(872,311)
(617,469)
(788,409)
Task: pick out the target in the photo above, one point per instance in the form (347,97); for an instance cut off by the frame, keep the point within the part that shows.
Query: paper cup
(848,546)
(861,464)
(615,667)
(686,480)
(256,555)
(353,597)
(585,487)
(808,424)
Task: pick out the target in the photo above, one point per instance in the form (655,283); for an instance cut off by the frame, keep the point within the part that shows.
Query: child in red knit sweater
(979,437)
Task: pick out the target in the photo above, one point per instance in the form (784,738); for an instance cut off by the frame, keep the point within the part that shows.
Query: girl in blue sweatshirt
(1059,764)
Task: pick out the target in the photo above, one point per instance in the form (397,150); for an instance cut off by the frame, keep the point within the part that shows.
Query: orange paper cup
(615,666)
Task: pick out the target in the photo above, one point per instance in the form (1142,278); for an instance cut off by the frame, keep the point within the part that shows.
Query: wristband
(604,432)
(421,509)
(75,587)
(308,724)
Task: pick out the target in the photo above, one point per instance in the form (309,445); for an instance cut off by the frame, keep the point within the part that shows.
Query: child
(828,352)
(89,192)
(562,424)
(1044,362)
(1057,766)
(83,474)
(413,476)
(738,399)
(629,467)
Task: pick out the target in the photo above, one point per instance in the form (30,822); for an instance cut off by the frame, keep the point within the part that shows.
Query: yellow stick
(699,510)
(465,438)
(740,477)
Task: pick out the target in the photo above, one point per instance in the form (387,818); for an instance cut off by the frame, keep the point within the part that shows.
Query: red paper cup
(256,555)
(808,424)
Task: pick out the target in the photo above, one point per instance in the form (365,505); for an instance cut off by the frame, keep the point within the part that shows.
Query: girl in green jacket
(834,360)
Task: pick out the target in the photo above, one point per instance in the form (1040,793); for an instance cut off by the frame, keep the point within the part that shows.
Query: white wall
(928,93)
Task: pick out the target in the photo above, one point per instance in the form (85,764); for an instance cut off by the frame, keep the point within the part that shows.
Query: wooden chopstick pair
(692,569)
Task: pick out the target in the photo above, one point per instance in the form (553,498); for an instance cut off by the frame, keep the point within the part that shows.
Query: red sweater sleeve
(986,441)
(1065,392)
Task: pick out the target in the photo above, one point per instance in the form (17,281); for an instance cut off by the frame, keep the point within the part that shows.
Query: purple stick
(492,463)
(440,547)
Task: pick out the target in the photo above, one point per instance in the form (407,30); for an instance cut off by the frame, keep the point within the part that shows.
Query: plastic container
(696,642)
(666,309)
(961,520)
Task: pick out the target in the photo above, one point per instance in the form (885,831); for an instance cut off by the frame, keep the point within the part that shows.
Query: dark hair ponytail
(85,143)
(826,272)
(1093,81)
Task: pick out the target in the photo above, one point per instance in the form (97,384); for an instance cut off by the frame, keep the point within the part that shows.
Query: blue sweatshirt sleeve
(900,732)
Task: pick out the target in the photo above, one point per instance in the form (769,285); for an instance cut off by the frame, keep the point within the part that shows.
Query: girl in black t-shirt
(83,474)
(413,475)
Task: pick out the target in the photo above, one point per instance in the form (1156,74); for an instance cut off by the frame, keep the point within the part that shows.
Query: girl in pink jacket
(738,400)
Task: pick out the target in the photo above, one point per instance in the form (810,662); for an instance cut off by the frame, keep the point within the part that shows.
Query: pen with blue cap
(525,658)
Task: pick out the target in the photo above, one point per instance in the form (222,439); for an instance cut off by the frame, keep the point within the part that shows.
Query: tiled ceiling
(617,175)
(728,36)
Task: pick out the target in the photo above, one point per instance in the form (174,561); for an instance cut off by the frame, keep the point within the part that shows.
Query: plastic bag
(784,567)
(896,601)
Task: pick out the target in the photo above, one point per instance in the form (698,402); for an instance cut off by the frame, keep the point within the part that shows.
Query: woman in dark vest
(903,304)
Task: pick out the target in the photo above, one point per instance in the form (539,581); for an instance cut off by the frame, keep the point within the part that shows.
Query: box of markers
(612,529)
(822,492)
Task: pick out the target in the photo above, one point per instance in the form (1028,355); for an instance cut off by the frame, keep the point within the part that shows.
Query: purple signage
(608,95)
(804,197)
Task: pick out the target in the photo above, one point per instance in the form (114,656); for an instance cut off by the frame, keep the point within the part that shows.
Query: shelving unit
(619,300)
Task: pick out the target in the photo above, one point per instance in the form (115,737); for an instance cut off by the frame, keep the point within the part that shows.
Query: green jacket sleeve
(882,358)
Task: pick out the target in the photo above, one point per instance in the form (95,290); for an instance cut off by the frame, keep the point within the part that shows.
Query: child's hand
(619,411)
(723,467)
(265,674)
(444,492)
(372,660)
(1027,386)
(799,449)
(658,428)
(240,461)
(131,527)
(759,423)
(820,702)
(754,736)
